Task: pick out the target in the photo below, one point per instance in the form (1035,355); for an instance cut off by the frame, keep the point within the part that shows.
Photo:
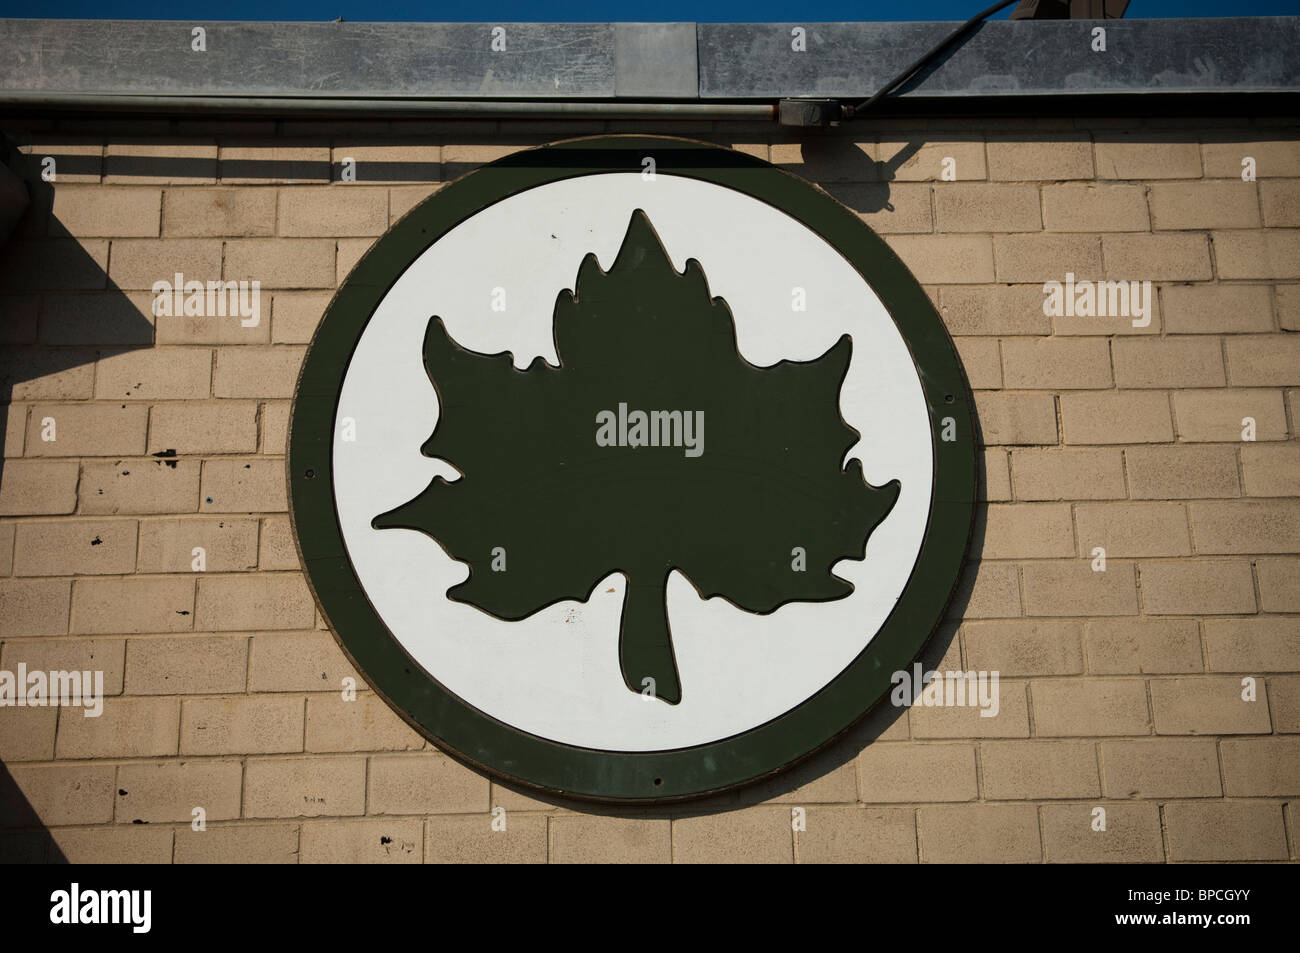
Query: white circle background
(556,674)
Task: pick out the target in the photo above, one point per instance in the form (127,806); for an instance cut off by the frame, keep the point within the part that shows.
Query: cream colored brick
(1280,202)
(169,791)
(366,724)
(968,721)
(331,211)
(1132,529)
(1028,530)
(60,794)
(413,161)
(754,835)
(1263,644)
(1263,360)
(128,728)
(987,590)
(1273,158)
(168,545)
(1072,588)
(304,787)
(978,834)
(1279,584)
(218,213)
(132,605)
(1271,253)
(908,210)
(238,844)
(1207,706)
(86,430)
(1095,207)
(1132,834)
(74,547)
(186,666)
(386,841)
(1049,363)
(1024,770)
(1285,696)
(253,602)
(402,201)
(907,772)
(139,487)
(1049,159)
(132,844)
(257,372)
(1067,474)
(1047,257)
(459,839)
(995,476)
(26,734)
(1181,472)
(281,262)
(1225,831)
(38,487)
(1183,205)
(1160,768)
(1142,646)
(139,262)
(993,309)
(7,533)
(77,158)
(946,259)
(1143,158)
(1261,767)
(252,724)
(277,549)
(1024,647)
(926,163)
(1016,418)
(15,430)
(1246,526)
(351,251)
(1287,299)
(30,607)
(295,316)
(1157,257)
(1197,587)
(172,373)
(982,361)
(459,159)
(69,655)
(1090,707)
(275,427)
(426,783)
(1116,417)
(298,662)
(593,838)
(854,835)
(822,779)
(222,427)
(261,161)
(1215,308)
(46,373)
(217,328)
(1217,415)
(243,486)
(1173,362)
(160,161)
(102,212)
(981,207)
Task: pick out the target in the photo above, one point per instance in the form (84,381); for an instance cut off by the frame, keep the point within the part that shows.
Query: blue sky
(587,10)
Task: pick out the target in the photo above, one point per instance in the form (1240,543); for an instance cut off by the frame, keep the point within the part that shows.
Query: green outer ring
(476,737)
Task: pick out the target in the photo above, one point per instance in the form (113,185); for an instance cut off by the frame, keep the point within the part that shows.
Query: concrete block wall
(1120,689)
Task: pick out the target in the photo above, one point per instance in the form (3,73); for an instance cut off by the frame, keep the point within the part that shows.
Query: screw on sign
(549,514)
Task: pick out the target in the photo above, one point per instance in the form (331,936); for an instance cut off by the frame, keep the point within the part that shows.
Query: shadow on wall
(59,314)
(846,172)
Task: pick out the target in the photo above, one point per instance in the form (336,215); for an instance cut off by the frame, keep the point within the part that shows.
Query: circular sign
(631,468)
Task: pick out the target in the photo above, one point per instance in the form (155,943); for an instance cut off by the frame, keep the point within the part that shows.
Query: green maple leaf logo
(561,474)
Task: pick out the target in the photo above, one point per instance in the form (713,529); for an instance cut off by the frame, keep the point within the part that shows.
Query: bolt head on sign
(631,480)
